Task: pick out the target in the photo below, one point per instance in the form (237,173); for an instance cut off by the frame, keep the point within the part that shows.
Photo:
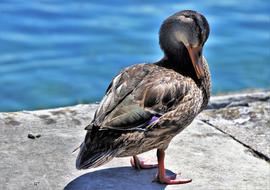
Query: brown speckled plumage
(168,90)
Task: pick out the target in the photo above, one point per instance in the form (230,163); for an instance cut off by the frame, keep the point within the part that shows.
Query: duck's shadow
(116,178)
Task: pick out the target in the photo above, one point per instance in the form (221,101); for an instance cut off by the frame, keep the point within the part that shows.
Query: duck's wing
(138,96)
(120,87)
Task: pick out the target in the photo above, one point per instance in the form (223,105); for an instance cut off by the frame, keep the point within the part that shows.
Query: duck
(148,104)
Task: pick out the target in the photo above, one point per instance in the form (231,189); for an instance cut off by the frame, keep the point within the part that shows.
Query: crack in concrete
(254,152)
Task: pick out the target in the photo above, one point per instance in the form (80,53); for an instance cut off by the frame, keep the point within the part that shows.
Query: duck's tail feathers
(90,159)
(76,149)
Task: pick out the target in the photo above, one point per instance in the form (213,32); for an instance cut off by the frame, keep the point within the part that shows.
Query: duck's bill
(195,54)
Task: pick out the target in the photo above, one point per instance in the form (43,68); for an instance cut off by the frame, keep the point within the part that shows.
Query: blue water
(63,52)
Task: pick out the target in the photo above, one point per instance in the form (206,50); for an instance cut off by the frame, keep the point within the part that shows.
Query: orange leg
(141,164)
(162,177)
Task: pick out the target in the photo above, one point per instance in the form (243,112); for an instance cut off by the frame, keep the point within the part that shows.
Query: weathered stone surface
(246,117)
(213,159)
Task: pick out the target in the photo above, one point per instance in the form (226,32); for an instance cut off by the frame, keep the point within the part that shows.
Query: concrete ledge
(226,147)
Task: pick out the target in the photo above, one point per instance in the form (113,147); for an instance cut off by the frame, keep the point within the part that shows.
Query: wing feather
(120,87)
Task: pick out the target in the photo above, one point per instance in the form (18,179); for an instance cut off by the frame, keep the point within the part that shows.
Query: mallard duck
(146,105)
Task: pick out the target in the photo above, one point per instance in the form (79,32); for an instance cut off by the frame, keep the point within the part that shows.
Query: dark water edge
(60,53)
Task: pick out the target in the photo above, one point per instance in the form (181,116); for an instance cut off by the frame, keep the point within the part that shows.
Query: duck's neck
(182,64)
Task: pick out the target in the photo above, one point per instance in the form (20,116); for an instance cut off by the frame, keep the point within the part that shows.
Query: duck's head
(185,31)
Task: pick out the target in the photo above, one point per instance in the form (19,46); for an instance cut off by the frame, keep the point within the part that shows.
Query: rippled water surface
(62,52)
